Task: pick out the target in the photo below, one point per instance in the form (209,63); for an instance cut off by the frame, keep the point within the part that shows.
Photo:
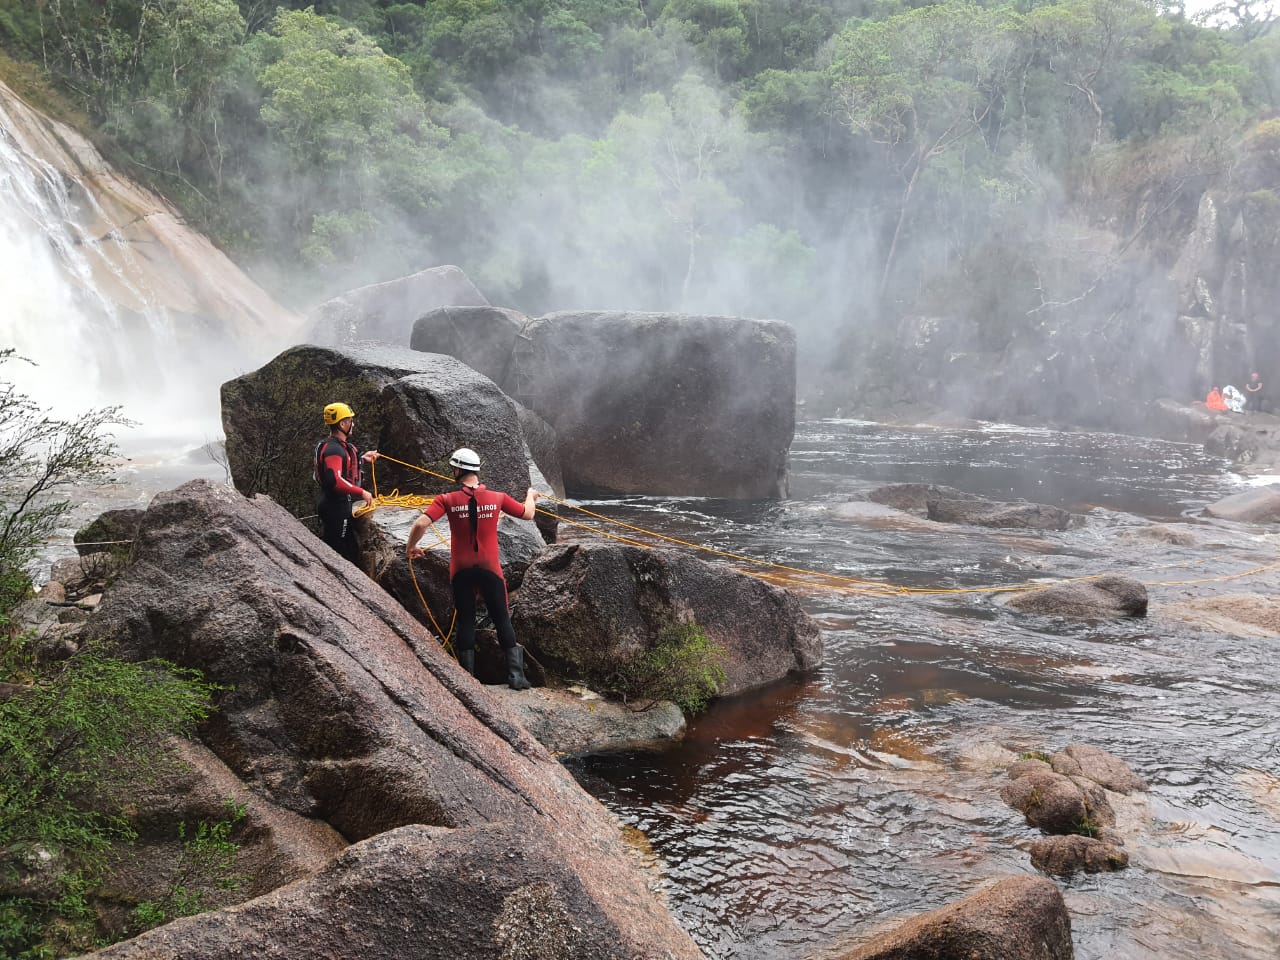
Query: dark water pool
(797,817)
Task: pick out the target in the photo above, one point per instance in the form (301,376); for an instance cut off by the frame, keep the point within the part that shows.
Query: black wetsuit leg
(493,589)
(338,528)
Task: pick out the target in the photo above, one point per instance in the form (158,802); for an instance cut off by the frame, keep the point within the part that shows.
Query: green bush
(41,458)
(208,860)
(72,744)
(684,666)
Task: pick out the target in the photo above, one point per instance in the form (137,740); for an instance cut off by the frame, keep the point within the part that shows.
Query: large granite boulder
(990,513)
(422,893)
(273,846)
(1017,918)
(387,311)
(338,706)
(1259,505)
(482,337)
(1101,598)
(587,609)
(414,407)
(660,403)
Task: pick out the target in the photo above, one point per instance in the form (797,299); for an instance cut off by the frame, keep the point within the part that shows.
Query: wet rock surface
(988,513)
(1099,598)
(1069,795)
(1260,505)
(1018,918)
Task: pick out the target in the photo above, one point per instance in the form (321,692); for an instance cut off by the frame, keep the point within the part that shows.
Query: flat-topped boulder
(1099,598)
(657,403)
(482,337)
(387,311)
(337,706)
(586,610)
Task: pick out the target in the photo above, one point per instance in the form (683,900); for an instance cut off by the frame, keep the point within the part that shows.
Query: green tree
(41,458)
(361,152)
(1084,44)
(921,84)
(673,158)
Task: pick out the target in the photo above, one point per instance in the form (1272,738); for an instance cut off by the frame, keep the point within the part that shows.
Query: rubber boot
(467,660)
(516,679)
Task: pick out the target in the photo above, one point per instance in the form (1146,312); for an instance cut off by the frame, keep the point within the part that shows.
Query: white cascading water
(81,343)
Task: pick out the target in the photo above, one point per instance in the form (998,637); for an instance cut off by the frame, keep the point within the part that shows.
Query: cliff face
(1153,285)
(103,279)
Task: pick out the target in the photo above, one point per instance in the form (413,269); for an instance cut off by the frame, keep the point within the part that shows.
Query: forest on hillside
(839,164)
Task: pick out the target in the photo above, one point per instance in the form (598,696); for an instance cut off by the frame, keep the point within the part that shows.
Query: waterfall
(81,342)
(111,296)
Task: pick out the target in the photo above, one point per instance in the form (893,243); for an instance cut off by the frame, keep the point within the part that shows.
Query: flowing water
(802,815)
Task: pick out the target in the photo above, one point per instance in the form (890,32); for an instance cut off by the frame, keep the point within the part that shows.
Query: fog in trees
(918,188)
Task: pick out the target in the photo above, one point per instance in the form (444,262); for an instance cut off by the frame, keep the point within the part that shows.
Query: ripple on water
(800,816)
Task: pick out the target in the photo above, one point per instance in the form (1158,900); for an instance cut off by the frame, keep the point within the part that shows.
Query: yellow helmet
(337,412)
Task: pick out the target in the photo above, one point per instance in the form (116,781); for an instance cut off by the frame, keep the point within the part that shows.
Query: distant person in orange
(1253,393)
(1215,402)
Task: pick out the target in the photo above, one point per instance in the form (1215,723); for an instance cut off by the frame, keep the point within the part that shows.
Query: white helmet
(464,458)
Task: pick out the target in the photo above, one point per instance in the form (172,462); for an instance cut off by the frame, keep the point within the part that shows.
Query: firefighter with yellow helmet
(337,465)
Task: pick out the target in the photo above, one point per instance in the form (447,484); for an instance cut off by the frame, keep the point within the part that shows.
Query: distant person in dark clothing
(1253,392)
(337,470)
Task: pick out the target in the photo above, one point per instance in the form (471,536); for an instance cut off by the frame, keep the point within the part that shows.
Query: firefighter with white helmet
(473,511)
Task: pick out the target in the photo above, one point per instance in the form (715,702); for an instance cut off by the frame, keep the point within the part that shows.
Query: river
(800,816)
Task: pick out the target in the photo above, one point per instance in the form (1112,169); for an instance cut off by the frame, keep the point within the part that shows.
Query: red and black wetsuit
(337,464)
(473,558)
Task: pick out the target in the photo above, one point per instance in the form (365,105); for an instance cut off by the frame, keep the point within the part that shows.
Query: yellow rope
(786,575)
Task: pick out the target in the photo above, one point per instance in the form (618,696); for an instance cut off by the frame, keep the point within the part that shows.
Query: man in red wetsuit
(473,513)
(337,470)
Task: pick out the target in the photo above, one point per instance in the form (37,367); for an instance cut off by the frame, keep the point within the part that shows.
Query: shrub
(207,861)
(40,457)
(684,666)
(71,745)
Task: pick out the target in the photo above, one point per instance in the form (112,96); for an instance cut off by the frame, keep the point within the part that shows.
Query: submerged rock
(1101,598)
(991,513)
(1064,856)
(1259,505)
(1017,918)
(915,497)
